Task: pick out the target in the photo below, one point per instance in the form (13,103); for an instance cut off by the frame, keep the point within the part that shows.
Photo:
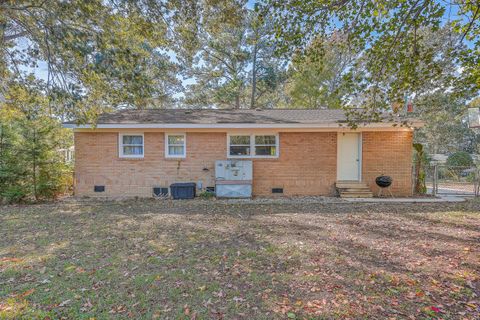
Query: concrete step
(359,189)
(353,189)
(356,194)
(350,184)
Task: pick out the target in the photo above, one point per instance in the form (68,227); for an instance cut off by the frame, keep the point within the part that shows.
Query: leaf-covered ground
(218,260)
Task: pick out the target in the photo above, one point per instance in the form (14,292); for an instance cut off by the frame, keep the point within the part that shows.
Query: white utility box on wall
(233,178)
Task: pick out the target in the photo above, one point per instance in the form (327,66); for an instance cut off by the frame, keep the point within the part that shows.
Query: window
(259,146)
(131,145)
(266,145)
(239,145)
(175,145)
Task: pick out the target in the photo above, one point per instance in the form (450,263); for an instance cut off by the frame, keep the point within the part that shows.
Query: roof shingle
(223,116)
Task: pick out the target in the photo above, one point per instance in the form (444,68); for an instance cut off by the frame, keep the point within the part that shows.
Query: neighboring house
(68,154)
(438,158)
(303,152)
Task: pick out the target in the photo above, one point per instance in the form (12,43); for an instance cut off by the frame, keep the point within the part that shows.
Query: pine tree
(31,166)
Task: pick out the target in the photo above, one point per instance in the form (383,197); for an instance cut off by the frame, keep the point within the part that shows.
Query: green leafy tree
(389,34)
(267,71)
(235,63)
(446,129)
(443,110)
(220,69)
(219,66)
(317,77)
(12,171)
(475,103)
(98,54)
(30,164)
(460,159)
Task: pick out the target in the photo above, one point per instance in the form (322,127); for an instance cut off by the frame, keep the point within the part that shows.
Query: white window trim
(120,145)
(252,145)
(228,145)
(184,155)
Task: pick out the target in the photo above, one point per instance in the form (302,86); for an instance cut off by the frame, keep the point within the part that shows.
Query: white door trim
(360,155)
(359,151)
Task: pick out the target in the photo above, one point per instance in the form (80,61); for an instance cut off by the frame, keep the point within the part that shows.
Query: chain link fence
(441,179)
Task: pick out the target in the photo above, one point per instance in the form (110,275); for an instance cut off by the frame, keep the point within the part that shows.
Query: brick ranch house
(303,152)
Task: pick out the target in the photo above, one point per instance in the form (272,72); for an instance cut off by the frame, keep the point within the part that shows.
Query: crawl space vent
(277,190)
(99,188)
(159,191)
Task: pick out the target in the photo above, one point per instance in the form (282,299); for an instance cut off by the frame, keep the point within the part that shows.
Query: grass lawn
(150,259)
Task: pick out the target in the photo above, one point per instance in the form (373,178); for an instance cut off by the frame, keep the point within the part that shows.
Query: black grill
(383,181)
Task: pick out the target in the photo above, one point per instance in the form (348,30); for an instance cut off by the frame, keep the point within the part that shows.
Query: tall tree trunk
(2,130)
(237,101)
(2,148)
(254,76)
(420,187)
(35,164)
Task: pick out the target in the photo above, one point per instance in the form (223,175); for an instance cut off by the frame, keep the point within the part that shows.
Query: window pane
(265,139)
(175,151)
(239,151)
(128,150)
(240,140)
(265,151)
(176,139)
(132,140)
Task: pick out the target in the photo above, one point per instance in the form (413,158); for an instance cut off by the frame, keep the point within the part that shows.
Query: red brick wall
(388,153)
(306,165)
(97,163)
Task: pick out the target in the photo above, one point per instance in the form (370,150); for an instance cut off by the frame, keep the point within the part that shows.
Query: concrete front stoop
(353,189)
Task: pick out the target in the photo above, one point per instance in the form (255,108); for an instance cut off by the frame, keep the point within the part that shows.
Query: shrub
(13,194)
(54,180)
(206,195)
(31,166)
(460,159)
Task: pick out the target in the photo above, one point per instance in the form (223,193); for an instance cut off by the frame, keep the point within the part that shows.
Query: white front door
(349,146)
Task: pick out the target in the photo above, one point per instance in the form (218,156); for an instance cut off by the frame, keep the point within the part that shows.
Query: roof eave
(413,124)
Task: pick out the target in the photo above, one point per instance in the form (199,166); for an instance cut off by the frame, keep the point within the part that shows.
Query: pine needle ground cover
(221,260)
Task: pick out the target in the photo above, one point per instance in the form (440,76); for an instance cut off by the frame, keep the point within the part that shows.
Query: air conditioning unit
(233,178)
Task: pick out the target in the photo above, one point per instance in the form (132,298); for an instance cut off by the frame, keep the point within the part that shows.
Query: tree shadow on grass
(247,208)
(365,250)
(223,260)
(438,222)
(392,230)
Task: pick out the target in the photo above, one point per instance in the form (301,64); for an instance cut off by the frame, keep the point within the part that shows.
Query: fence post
(435,180)
(477,182)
